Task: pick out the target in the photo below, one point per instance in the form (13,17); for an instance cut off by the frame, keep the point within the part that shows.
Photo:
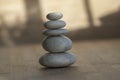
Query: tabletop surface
(96,60)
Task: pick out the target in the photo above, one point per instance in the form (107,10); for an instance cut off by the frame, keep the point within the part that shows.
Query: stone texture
(54,24)
(54,16)
(57,59)
(55,32)
(57,44)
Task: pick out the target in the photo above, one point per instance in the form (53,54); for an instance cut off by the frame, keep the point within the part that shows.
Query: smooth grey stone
(54,16)
(57,44)
(55,24)
(57,59)
(55,32)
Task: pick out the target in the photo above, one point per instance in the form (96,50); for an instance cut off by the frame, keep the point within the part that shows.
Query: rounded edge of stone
(51,60)
(54,15)
(55,32)
(59,43)
(57,24)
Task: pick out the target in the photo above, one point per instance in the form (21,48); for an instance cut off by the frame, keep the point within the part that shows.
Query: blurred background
(21,21)
(94,27)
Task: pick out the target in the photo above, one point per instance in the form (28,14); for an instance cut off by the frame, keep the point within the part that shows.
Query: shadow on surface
(109,29)
(68,73)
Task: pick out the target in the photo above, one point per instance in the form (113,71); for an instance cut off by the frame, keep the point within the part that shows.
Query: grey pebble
(57,43)
(54,16)
(55,24)
(57,59)
(55,32)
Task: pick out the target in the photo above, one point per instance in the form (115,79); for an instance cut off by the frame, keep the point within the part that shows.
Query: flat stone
(57,59)
(55,32)
(57,43)
(55,24)
(54,16)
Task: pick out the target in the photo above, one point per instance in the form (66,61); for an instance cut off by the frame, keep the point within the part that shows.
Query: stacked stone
(56,43)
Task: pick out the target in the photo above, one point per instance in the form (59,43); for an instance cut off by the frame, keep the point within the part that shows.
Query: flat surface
(96,60)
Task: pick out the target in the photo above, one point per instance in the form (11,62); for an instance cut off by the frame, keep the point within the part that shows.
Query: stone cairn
(56,43)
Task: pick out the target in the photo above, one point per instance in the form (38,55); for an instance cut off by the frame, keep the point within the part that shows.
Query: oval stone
(57,59)
(54,16)
(55,24)
(57,43)
(55,32)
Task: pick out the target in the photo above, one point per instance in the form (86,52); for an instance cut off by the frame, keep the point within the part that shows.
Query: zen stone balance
(56,43)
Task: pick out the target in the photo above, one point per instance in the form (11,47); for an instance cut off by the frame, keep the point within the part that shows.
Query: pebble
(57,59)
(54,16)
(55,24)
(55,32)
(57,43)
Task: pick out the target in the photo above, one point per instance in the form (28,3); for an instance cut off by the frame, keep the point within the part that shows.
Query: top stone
(54,16)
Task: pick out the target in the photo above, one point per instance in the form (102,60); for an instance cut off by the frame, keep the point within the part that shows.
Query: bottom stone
(57,59)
